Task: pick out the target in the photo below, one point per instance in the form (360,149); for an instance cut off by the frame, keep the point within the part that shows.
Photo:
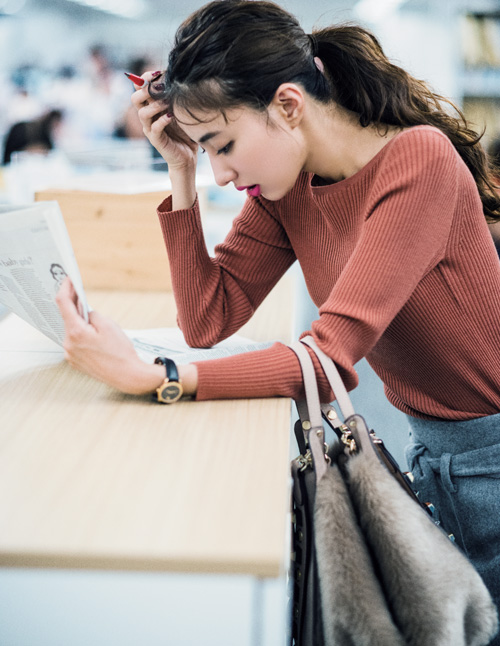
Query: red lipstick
(137,80)
(253,190)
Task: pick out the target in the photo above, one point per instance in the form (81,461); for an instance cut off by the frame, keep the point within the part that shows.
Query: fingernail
(169,115)
(135,79)
(159,87)
(155,75)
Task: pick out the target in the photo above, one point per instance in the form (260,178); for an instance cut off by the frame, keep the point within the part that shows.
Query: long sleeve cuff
(273,372)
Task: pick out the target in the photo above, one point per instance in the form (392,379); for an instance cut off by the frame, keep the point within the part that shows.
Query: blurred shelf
(480,69)
(481,82)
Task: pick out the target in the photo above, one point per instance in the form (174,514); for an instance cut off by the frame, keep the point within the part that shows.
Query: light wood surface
(92,478)
(116,238)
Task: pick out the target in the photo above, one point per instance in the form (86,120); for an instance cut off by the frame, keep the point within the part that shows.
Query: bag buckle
(305,461)
(348,439)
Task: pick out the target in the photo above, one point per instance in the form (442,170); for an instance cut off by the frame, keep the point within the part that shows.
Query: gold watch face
(170,392)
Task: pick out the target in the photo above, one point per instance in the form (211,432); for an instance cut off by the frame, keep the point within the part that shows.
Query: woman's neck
(337,145)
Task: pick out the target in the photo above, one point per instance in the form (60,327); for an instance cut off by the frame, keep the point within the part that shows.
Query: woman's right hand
(160,128)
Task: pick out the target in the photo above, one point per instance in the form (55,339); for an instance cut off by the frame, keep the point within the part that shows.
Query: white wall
(427,45)
(424,39)
(51,39)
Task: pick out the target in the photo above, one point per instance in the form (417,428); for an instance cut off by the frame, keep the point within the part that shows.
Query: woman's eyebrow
(208,136)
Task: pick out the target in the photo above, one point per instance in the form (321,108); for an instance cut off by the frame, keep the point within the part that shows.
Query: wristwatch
(170,390)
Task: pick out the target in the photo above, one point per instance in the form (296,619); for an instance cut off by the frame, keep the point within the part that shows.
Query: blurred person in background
(24,104)
(92,97)
(105,91)
(35,136)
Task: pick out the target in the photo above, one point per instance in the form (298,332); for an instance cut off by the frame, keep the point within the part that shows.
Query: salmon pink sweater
(398,258)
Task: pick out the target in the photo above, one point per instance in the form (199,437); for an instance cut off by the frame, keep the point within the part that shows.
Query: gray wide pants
(456,466)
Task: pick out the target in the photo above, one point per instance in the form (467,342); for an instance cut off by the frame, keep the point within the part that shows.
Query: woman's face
(58,273)
(256,151)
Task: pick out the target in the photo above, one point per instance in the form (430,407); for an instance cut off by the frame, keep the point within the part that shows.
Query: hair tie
(314,47)
(314,44)
(319,64)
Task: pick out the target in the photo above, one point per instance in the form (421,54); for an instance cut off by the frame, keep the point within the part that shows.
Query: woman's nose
(223,174)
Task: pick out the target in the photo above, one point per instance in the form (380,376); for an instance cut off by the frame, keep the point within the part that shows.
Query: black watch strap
(171,389)
(170,368)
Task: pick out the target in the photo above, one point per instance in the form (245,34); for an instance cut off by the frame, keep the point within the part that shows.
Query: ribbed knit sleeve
(216,296)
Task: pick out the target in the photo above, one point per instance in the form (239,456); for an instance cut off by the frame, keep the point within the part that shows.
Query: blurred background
(65,115)
(62,64)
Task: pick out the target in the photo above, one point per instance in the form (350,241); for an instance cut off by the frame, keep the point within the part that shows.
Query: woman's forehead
(200,124)
(193,117)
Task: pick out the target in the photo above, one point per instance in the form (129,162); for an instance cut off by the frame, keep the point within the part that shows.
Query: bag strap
(340,392)
(313,432)
(334,378)
(312,408)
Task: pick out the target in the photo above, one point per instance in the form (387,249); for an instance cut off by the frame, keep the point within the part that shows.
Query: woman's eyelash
(221,151)
(225,149)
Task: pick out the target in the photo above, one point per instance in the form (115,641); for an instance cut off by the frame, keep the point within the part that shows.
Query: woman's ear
(288,104)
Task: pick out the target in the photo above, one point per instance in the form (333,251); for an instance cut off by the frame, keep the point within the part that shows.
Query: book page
(170,342)
(35,256)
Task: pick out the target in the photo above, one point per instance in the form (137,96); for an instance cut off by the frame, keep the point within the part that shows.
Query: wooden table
(92,478)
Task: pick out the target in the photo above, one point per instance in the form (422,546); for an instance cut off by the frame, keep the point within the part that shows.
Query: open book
(35,256)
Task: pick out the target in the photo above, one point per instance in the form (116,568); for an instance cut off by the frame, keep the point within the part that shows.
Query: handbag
(370,567)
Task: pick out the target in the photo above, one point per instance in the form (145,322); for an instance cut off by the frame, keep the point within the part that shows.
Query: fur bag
(370,565)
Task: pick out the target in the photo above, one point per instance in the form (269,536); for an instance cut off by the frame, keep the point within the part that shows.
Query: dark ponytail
(238,52)
(364,81)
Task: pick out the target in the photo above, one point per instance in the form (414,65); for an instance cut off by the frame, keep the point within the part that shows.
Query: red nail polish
(156,74)
(137,80)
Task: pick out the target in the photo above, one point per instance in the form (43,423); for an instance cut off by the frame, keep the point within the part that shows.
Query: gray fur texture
(355,612)
(428,593)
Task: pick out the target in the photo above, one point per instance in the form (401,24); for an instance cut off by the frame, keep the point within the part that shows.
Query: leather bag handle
(312,408)
(334,378)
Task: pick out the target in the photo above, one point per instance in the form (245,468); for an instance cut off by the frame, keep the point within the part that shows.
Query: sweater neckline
(362,172)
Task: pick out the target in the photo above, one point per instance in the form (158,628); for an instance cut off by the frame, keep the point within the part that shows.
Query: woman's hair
(494,153)
(231,53)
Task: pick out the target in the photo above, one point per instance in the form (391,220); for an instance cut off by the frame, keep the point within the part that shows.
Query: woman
(353,168)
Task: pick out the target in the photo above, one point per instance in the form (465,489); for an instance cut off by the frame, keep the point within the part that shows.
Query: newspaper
(170,342)
(35,256)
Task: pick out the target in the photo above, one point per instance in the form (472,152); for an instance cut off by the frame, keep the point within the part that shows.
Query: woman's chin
(274,196)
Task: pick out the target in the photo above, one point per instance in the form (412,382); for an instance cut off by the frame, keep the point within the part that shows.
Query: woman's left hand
(102,350)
